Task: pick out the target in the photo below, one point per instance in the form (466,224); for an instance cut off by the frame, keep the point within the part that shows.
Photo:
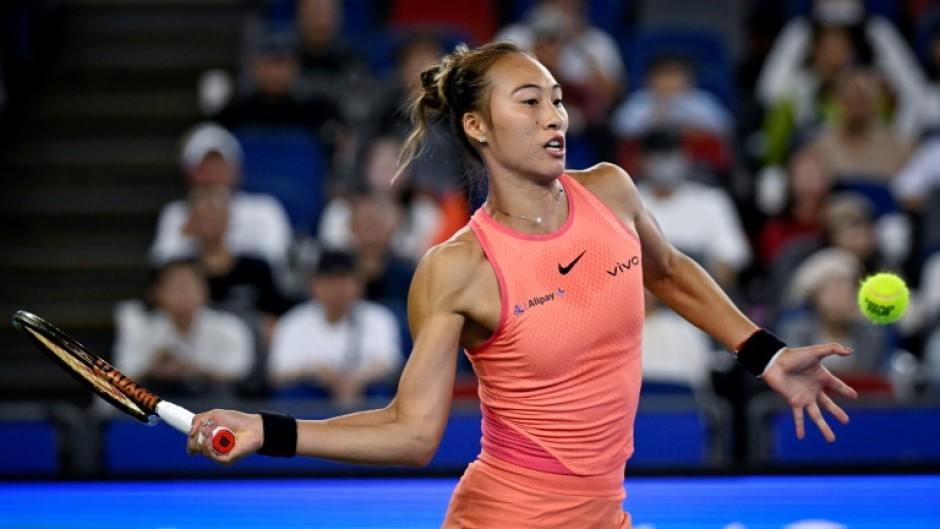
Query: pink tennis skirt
(494,493)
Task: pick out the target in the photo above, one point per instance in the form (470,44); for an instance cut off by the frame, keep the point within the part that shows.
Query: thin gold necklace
(536,220)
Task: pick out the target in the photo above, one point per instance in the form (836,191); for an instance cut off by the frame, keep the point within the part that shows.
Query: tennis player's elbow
(661,268)
(424,447)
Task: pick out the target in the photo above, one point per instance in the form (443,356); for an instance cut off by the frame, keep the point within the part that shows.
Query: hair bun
(431,92)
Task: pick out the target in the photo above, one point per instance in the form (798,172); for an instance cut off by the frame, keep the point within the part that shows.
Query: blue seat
(290,164)
(880,433)
(31,447)
(679,431)
(706,49)
(880,195)
(890,9)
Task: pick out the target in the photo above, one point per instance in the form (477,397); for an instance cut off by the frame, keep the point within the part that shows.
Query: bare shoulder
(612,185)
(448,270)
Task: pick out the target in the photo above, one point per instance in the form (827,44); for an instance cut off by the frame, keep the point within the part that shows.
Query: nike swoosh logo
(563,270)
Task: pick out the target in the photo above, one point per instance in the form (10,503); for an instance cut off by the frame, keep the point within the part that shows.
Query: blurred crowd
(789,147)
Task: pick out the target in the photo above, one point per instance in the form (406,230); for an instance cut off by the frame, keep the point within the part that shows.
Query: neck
(217,260)
(529,205)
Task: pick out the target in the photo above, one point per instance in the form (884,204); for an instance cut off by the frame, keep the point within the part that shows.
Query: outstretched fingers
(815,414)
(842,388)
(834,409)
(798,422)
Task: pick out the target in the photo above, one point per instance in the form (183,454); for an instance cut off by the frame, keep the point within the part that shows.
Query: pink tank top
(560,377)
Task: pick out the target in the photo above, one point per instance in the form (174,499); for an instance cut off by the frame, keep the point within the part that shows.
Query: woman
(544,290)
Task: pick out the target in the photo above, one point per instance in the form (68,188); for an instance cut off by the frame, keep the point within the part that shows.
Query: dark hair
(451,88)
(157,273)
(336,263)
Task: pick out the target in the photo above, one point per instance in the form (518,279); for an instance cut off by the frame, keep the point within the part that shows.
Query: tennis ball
(883,297)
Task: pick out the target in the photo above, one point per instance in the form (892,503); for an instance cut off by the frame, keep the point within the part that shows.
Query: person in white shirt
(258,226)
(674,351)
(671,99)
(182,347)
(700,220)
(337,342)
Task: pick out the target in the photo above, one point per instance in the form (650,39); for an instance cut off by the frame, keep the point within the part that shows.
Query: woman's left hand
(799,376)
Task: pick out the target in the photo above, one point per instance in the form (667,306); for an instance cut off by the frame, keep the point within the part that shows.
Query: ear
(474,126)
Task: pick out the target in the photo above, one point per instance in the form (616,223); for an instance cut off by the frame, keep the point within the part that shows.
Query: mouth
(556,146)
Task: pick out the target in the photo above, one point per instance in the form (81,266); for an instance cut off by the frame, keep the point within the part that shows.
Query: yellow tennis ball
(883,297)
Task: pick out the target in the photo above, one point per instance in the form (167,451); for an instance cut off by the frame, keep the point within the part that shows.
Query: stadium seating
(882,433)
(706,49)
(42,440)
(290,164)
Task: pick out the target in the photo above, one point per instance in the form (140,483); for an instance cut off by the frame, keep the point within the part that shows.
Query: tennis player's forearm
(694,295)
(372,437)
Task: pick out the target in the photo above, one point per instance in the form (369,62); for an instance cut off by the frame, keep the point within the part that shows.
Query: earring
(482,139)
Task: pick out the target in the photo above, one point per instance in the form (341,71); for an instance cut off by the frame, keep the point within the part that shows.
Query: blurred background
(198,191)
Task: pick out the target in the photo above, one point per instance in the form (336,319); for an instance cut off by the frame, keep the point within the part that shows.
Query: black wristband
(757,351)
(280,435)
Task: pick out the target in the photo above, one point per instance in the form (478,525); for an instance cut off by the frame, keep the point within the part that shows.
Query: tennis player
(544,291)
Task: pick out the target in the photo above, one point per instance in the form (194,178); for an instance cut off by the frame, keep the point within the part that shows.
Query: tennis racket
(109,383)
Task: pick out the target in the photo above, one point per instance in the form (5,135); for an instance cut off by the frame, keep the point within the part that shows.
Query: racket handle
(223,439)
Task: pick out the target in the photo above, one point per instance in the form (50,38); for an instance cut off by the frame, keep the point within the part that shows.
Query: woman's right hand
(248,430)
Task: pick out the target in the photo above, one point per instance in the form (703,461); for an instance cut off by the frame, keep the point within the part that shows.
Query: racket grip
(223,439)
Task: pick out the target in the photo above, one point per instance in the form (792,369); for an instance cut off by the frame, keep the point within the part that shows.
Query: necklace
(536,220)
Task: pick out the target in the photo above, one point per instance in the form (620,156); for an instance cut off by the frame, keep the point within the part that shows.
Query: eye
(531,102)
(557,102)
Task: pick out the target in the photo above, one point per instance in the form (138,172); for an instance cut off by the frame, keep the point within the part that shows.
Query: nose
(555,117)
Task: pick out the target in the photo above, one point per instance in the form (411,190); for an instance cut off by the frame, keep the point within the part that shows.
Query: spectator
(436,172)
(242,284)
(387,276)
(812,51)
(276,95)
(857,146)
(700,220)
(674,351)
(849,225)
(258,224)
(420,220)
(330,64)
(824,307)
(671,100)
(919,177)
(182,348)
(336,344)
(809,186)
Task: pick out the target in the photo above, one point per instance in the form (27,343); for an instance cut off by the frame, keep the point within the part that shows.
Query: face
(856,237)
(858,99)
(318,20)
(373,223)
(833,50)
(669,81)
(381,163)
(835,300)
(809,180)
(275,74)
(180,291)
(337,292)
(212,171)
(525,123)
(209,214)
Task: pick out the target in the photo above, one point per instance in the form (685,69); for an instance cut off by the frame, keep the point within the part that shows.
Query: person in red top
(544,291)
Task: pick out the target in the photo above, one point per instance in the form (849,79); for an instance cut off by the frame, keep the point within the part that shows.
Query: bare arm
(685,287)
(409,429)
(678,281)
